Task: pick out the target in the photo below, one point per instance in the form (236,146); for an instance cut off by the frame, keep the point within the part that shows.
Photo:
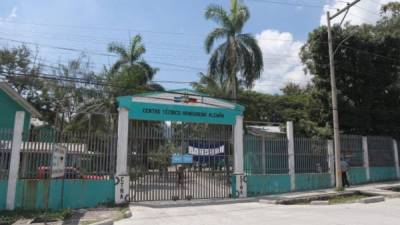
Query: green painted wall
(83,193)
(233,186)
(312,181)
(8,108)
(382,173)
(357,175)
(32,194)
(3,194)
(267,184)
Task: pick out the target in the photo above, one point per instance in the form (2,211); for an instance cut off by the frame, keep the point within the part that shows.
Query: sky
(173,32)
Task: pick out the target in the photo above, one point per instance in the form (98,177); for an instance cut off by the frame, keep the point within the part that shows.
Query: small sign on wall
(121,189)
(58,161)
(241,186)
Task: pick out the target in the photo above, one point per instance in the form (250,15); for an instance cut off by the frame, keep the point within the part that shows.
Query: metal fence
(380,151)
(265,155)
(269,155)
(179,160)
(310,155)
(398,151)
(352,149)
(89,155)
(5,151)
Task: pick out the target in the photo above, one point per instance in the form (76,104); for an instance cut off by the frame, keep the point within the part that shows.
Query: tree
(130,74)
(239,57)
(19,67)
(216,86)
(298,105)
(132,57)
(367,75)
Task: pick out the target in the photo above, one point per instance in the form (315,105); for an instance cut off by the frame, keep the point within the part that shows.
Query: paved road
(385,213)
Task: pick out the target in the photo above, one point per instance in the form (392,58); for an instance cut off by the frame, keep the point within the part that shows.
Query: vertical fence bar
(263,163)
(396,158)
(366,157)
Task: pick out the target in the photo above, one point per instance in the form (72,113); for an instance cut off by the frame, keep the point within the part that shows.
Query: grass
(346,199)
(9,217)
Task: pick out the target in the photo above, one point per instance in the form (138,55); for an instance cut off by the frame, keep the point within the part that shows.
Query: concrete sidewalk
(373,189)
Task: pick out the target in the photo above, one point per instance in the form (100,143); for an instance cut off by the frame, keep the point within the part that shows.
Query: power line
(288,4)
(97,81)
(98,53)
(163,63)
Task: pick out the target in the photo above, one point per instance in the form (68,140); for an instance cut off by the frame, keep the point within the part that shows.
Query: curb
(104,222)
(319,203)
(173,204)
(372,200)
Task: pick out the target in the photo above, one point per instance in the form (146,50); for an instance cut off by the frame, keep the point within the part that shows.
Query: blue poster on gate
(181,159)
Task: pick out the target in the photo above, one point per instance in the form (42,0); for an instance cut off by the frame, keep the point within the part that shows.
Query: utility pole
(336,134)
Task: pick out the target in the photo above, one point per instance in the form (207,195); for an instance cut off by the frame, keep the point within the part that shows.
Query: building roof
(19,99)
(264,130)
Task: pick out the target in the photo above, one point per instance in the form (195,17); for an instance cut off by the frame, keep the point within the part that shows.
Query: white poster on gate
(58,161)
(206,151)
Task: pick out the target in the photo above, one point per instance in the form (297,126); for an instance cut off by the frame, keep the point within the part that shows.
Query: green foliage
(217,86)
(131,67)
(160,158)
(298,105)
(129,75)
(367,75)
(9,217)
(238,60)
(76,106)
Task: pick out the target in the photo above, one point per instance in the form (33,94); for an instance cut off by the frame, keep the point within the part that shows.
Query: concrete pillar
(241,181)
(15,157)
(122,178)
(331,161)
(366,157)
(122,145)
(290,138)
(396,158)
(263,153)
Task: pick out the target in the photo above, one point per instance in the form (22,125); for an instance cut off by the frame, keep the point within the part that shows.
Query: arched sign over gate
(181,105)
(184,106)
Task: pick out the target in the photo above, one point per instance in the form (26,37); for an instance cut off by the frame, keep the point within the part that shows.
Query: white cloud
(366,11)
(281,61)
(11,16)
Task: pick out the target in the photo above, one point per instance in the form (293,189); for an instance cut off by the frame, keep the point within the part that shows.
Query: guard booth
(179,145)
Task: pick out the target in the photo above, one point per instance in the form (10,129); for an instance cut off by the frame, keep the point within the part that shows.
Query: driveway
(384,213)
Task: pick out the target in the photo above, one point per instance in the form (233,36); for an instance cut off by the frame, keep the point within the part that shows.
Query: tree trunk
(234,91)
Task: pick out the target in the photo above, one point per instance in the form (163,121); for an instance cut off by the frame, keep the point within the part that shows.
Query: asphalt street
(384,213)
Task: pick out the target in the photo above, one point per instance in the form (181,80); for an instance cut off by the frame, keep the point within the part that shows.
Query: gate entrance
(179,145)
(176,161)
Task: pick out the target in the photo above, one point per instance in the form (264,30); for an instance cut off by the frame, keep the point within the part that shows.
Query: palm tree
(213,85)
(239,58)
(129,75)
(131,58)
